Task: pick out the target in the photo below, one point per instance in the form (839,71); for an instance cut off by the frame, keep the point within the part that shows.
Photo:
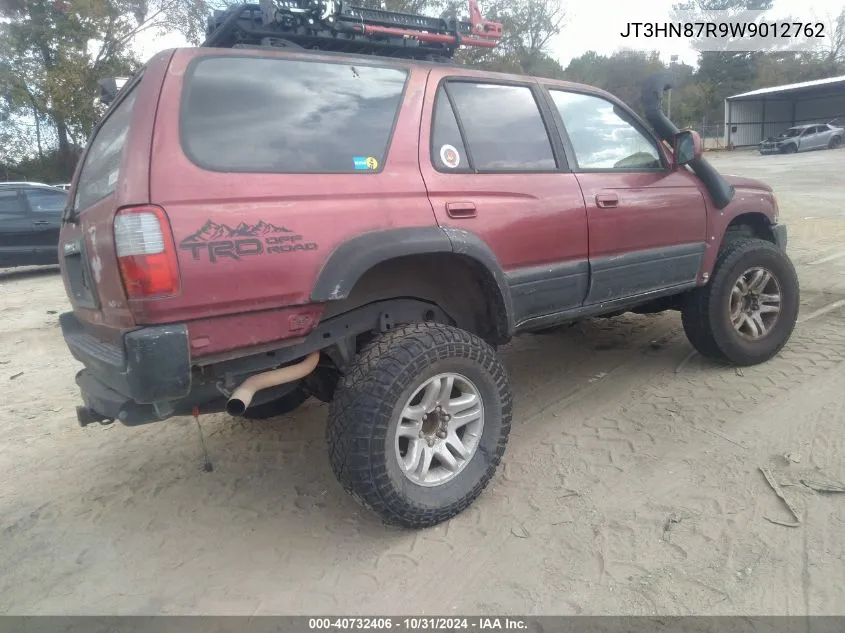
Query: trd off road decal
(220,240)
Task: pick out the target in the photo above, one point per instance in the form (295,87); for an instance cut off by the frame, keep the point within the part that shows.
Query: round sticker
(449,156)
(372,163)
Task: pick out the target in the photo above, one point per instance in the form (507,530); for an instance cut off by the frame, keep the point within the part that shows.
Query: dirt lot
(631,484)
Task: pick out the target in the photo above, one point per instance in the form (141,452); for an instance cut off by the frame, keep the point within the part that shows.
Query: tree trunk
(66,158)
(38,137)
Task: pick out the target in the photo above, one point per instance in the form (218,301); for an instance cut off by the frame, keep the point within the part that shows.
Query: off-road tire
(706,312)
(287,403)
(835,142)
(367,407)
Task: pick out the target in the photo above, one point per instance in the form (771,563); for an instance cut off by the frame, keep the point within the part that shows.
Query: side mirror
(687,147)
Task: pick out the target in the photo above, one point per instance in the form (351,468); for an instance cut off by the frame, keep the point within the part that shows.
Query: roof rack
(334,25)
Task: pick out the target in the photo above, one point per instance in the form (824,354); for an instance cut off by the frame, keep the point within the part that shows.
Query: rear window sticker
(449,156)
(365,162)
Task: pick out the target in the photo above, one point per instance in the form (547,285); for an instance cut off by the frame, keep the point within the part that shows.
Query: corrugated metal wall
(822,110)
(746,124)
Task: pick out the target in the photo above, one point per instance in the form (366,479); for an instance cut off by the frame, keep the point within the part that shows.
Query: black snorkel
(721,192)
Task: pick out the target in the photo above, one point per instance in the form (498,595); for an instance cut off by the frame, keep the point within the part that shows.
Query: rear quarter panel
(318,211)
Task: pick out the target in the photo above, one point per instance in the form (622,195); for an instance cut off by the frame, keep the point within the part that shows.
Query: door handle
(41,222)
(607,200)
(460,209)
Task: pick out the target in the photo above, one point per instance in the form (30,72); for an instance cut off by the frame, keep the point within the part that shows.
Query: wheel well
(749,225)
(462,287)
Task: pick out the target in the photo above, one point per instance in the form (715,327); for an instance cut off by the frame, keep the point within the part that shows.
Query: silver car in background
(803,138)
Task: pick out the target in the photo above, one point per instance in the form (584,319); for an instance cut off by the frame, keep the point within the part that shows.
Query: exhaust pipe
(721,192)
(242,396)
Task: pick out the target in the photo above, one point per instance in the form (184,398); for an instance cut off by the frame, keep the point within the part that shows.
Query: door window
(503,127)
(46,201)
(602,137)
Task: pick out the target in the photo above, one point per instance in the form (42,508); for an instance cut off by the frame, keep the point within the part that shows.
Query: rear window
(247,114)
(101,170)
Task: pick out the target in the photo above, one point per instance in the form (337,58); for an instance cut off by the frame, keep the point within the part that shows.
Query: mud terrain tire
(710,312)
(369,419)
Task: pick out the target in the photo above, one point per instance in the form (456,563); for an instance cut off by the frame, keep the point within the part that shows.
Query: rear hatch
(113,174)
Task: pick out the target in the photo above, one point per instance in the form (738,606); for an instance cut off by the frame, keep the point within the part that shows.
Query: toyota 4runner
(254,226)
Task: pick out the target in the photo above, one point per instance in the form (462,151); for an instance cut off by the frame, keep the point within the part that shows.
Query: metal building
(753,116)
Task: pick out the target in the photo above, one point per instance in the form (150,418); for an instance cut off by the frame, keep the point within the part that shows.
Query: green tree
(529,27)
(54,52)
(623,73)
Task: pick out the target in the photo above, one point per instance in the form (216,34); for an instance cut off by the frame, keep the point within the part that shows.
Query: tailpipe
(721,192)
(242,396)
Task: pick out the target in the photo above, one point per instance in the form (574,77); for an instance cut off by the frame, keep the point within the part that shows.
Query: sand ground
(631,484)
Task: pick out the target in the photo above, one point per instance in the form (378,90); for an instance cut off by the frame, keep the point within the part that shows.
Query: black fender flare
(350,260)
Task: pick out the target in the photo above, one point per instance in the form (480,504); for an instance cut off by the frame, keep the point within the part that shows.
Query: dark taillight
(146,253)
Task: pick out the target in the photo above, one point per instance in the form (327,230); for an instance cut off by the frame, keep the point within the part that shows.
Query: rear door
(809,139)
(493,169)
(821,136)
(16,247)
(45,208)
(647,220)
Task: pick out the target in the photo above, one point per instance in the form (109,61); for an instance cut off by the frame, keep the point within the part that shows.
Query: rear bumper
(134,380)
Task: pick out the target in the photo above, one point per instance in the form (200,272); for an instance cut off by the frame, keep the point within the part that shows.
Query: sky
(597,25)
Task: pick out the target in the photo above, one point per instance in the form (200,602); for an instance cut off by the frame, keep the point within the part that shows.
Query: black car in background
(30,219)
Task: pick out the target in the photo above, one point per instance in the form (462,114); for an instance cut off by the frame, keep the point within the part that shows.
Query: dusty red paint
(526,219)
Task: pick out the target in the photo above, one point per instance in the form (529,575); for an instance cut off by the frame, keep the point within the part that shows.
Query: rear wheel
(835,142)
(747,312)
(419,423)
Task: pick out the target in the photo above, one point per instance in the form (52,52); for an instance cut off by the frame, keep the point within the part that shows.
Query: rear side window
(247,114)
(447,147)
(503,127)
(46,201)
(101,171)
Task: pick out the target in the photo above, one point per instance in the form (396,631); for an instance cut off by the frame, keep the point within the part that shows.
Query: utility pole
(672,61)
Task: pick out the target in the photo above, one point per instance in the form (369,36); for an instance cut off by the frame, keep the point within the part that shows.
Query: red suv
(253,227)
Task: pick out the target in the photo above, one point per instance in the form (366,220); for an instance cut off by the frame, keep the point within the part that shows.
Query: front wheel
(790,149)
(747,312)
(419,423)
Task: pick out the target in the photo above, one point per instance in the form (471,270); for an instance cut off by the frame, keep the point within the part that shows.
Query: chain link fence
(713,136)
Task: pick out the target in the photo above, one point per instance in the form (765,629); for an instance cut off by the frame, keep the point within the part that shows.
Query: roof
(795,89)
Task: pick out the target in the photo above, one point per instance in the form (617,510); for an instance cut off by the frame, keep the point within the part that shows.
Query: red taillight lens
(146,253)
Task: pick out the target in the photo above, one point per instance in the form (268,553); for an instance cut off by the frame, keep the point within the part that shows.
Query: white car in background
(803,138)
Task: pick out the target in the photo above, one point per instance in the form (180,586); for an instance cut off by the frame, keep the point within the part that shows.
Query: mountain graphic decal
(212,231)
